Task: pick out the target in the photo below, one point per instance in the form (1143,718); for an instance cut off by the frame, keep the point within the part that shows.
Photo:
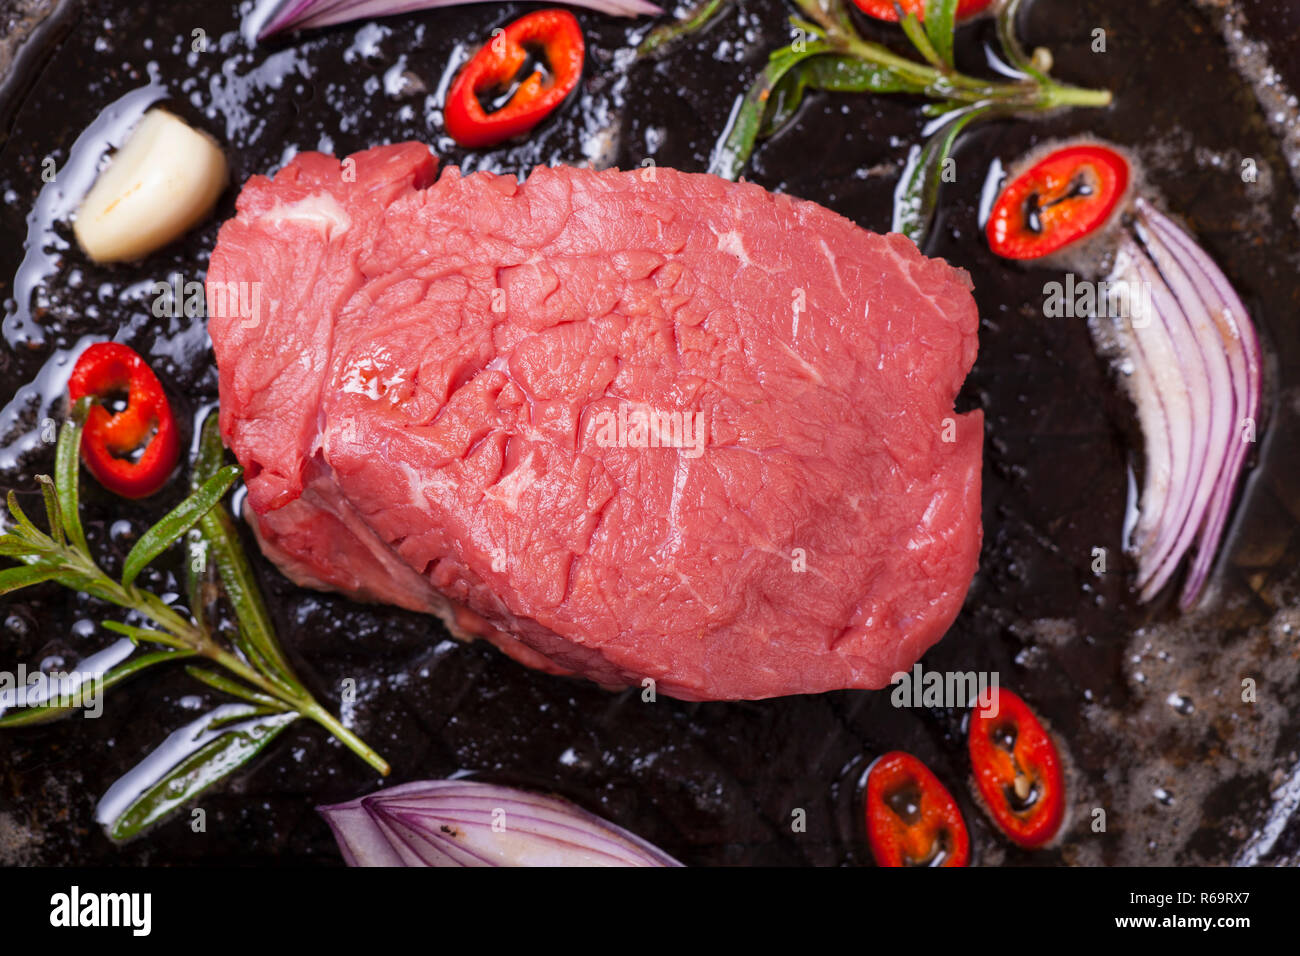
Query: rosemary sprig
(662,37)
(831,55)
(253,668)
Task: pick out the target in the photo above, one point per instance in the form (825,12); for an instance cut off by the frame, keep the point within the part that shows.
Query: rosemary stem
(193,637)
(883,56)
(1058,95)
(350,740)
(952,85)
(302,703)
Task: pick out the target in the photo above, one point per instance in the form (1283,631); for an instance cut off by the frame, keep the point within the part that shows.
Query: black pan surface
(1145,703)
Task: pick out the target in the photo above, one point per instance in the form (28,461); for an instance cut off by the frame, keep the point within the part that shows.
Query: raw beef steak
(629,425)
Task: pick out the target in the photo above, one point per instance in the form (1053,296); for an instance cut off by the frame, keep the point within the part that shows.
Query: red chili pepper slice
(111,440)
(884,9)
(912,819)
(1061,198)
(527,70)
(1017,771)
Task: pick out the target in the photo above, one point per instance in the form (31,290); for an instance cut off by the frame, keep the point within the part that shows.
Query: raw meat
(447,392)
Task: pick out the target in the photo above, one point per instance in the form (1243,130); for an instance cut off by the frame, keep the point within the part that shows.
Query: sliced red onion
(1159,342)
(307,14)
(1241,345)
(1188,402)
(466,823)
(1214,423)
(1153,417)
(1194,373)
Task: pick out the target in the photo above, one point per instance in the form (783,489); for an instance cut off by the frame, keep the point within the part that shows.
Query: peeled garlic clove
(164,180)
